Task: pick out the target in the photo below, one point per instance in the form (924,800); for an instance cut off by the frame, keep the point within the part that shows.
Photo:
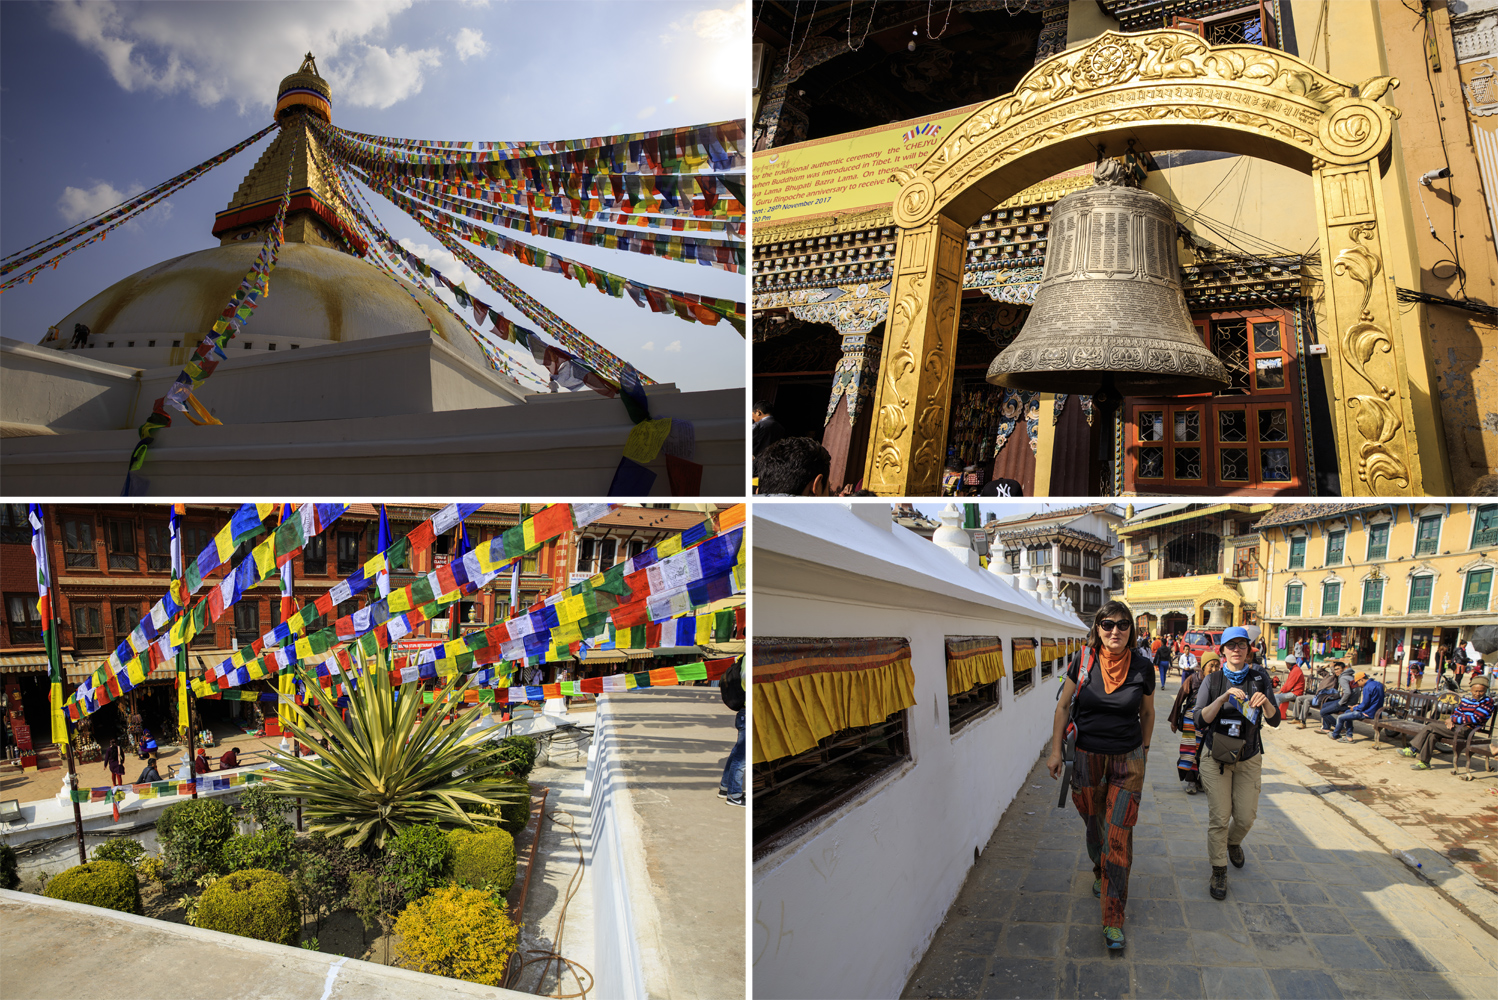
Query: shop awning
(22,663)
(1473,618)
(807,689)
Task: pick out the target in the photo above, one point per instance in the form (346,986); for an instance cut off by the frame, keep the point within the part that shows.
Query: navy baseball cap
(1235,632)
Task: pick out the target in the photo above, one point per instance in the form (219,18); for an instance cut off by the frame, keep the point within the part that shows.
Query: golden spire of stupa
(317,214)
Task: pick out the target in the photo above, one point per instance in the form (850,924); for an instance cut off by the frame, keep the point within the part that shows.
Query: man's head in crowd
(796,466)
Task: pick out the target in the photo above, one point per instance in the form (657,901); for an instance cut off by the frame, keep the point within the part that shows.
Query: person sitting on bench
(1471,714)
(230,760)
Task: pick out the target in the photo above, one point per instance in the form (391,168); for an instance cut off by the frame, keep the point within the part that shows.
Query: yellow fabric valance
(973,660)
(1048,649)
(807,689)
(1024,654)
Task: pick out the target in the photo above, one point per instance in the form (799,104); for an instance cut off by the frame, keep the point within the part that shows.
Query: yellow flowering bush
(459,933)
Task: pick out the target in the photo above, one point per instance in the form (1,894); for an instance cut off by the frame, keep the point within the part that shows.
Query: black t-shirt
(1109,723)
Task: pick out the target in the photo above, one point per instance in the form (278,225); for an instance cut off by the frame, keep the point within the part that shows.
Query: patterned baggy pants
(1106,790)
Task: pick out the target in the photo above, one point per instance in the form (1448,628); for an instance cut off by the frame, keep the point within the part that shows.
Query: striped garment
(1473,711)
(1188,763)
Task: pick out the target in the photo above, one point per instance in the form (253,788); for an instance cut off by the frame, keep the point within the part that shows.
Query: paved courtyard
(1320,909)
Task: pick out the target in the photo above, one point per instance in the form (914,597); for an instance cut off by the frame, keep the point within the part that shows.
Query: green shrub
(419,858)
(153,867)
(519,754)
(459,933)
(484,859)
(269,849)
(264,807)
(334,883)
(514,816)
(193,834)
(10,877)
(124,849)
(255,904)
(110,884)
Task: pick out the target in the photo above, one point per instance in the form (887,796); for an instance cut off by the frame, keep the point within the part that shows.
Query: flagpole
(184,710)
(52,642)
(77,810)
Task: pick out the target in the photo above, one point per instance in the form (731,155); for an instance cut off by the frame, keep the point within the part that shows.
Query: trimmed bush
(10,876)
(153,867)
(269,849)
(484,859)
(110,884)
(264,807)
(459,933)
(514,817)
(193,834)
(419,858)
(124,849)
(519,754)
(253,903)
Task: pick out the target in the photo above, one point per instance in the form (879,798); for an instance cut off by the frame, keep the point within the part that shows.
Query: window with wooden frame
(348,552)
(1092,599)
(1167,444)
(1485,526)
(126,617)
(1092,565)
(15,524)
(158,547)
(1478,590)
(1373,597)
(1335,547)
(1070,561)
(247,621)
(88,627)
(1421,588)
(1293,594)
(1331,598)
(315,556)
(78,542)
(1297,552)
(195,538)
(1025,653)
(1428,535)
(23,618)
(1140,570)
(208,638)
(119,543)
(1246,562)
(1378,541)
(1040,557)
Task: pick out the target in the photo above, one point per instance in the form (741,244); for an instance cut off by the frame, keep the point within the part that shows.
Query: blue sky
(101,100)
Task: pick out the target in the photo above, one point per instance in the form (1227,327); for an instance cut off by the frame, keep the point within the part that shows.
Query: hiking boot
(1218,887)
(1235,855)
(1407,752)
(1419,765)
(1114,937)
(1097,887)
(1190,789)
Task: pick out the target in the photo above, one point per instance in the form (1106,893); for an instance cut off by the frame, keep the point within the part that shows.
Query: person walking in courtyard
(731,690)
(1231,707)
(1162,662)
(1182,720)
(1107,705)
(1471,714)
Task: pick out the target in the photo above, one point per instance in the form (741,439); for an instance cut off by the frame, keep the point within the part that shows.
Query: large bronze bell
(1109,312)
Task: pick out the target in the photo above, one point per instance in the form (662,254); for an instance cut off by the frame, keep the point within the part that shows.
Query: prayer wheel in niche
(1110,317)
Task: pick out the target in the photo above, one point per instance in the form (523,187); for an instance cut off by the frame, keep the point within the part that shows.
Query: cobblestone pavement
(1319,910)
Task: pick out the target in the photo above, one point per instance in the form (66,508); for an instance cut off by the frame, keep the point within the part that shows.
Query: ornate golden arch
(1164,90)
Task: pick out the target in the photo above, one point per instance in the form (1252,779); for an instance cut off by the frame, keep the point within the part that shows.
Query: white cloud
(729,24)
(77,204)
(451,268)
(674,347)
(382,77)
(240,51)
(469,42)
(649,345)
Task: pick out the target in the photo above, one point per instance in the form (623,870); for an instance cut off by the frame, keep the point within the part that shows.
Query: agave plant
(382,770)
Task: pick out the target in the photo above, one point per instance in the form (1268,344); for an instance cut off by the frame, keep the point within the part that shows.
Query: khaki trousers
(1232,793)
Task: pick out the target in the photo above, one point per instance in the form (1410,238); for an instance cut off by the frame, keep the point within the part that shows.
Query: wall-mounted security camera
(1432,175)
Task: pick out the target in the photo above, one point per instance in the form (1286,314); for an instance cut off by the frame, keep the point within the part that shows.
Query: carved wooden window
(1298,552)
(1378,541)
(1331,598)
(15,524)
(1373,596)
(1336,544)
(88,627)
(1293,594)
(1485,526)
(25,619)
(1478,590)
(126,617)
(1428,535)
(1140,570)
(1246,562)
(78,542)
(158,547)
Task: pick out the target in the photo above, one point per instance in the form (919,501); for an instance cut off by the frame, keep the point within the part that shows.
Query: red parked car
(1204,641)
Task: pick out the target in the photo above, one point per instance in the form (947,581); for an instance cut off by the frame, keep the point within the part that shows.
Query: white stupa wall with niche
(847,905)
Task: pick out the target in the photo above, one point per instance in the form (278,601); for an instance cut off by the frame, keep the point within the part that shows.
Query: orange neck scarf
(1115,667)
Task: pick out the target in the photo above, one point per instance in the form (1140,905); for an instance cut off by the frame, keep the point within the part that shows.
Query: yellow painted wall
(1454,552)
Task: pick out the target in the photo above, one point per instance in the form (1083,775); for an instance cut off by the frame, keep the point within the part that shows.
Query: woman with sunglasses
(1109,697)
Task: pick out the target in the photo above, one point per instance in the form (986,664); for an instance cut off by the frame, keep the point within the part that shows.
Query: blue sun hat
(1234,632)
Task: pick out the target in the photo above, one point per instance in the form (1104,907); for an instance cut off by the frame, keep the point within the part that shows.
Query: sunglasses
(1108,625)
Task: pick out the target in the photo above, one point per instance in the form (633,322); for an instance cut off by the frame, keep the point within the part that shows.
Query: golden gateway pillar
(1163,90)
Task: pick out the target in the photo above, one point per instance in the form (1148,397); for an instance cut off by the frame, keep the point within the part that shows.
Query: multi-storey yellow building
(1192,565)
(1378,583)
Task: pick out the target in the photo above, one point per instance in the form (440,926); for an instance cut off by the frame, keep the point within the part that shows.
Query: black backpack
(1224,747)
(731,688)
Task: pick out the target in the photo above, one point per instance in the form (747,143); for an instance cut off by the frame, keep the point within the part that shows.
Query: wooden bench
(1404,712)
(1480,743)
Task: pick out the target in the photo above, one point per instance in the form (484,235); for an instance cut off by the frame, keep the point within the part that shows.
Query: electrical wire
(929,4)
(859,47)
(1428,37)
(554,954)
